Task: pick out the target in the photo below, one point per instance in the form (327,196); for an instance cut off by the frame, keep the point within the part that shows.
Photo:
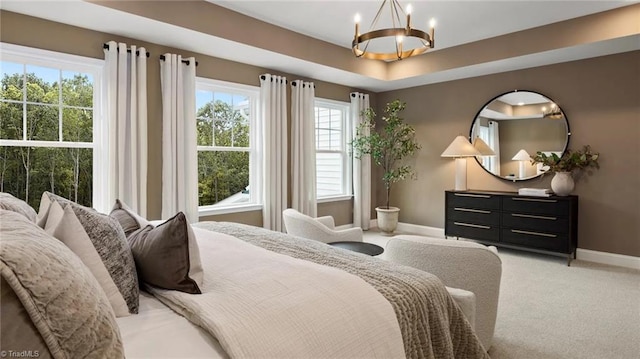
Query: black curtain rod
(106,46)
(183,61)
(295,83)
(263,77)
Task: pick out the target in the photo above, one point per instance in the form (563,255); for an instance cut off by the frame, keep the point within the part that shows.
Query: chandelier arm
(377,17)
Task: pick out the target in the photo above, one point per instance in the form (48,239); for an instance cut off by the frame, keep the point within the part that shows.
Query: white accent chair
(459,264)
(320,229)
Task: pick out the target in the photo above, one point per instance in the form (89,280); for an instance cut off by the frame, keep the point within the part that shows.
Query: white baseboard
(588,255)
(613,259)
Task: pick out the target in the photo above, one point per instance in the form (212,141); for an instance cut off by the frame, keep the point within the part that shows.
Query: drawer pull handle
(471,210)
(534,233)
(532,216)
(534,200)
(471,225)
(472,195)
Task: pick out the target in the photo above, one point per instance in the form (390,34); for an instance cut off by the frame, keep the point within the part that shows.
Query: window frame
(100,145)
(347,163)
(255,164)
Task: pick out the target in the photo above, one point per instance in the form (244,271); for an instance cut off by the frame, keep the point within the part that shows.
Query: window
(333,163)
(228,162)
(50,129)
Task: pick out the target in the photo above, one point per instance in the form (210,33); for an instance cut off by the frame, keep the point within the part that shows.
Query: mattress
(158,332)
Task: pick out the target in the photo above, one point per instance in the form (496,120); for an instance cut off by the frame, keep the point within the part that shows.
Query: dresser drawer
(536,239)
(536,222)
(473,200)
(472,230)
(472,215)
(535,205)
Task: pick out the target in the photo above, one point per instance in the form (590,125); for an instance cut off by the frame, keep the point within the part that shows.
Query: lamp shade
(482,147)
(522,155)
(460,147)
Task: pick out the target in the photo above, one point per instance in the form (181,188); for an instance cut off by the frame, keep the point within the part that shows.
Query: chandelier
(553,112)
(399,34)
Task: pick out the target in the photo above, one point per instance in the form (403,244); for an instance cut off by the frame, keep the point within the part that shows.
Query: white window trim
(255,193)
(347,190)
(100,145)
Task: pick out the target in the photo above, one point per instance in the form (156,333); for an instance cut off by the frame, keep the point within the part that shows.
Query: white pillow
(63,224)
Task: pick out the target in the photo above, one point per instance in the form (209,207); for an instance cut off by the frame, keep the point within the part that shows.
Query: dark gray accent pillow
(163,258)
(11,203)
(129,220)
(111,244)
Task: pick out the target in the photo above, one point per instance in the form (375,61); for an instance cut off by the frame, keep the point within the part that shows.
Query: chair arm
(327,221)
(459,264)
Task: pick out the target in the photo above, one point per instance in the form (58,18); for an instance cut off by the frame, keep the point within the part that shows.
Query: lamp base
(461,174)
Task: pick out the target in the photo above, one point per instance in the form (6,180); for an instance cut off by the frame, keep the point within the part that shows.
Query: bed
(296,298)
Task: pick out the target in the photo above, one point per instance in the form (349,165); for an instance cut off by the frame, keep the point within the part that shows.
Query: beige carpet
(549,310)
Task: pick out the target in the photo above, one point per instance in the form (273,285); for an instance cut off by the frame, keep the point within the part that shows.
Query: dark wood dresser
(506,219)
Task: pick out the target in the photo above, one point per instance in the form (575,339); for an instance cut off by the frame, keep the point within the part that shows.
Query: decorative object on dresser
(460,149)
(505,219)
(522,157)
(565,166)
(389,149)
(516,121)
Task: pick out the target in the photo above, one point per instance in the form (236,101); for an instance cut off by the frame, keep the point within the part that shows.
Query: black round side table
(360,247)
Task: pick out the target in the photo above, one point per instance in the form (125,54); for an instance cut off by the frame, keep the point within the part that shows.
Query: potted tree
(388,148)
(564,167)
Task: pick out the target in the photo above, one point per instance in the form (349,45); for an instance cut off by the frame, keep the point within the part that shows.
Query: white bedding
(258,303)
(159,332)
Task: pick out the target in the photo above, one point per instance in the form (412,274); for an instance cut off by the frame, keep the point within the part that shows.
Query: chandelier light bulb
(409,9)
(399,39)
(356,19)
(432,23)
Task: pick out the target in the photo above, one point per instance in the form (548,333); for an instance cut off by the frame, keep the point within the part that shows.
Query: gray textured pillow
(167,256)
(129,220)
(10,203)
(62,298)
(111,244)
(63,224)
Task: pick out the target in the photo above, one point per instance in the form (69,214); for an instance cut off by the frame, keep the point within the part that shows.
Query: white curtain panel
(179,142)
(303,150)
(494,143)
(273,118)
(126,115)
(361,168)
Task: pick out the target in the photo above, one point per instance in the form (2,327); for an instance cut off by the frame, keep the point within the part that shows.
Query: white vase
(387,219)
(562,183)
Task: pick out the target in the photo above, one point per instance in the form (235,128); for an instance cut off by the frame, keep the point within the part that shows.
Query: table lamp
(460,149)
(522,156)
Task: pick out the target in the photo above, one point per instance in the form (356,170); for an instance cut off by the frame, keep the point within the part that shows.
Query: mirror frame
(566,146)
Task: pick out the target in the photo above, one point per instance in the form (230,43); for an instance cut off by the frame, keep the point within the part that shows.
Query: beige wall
(532,135)
(33,32)
(601,98)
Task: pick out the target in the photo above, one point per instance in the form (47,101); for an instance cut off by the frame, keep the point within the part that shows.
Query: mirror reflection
(515,126)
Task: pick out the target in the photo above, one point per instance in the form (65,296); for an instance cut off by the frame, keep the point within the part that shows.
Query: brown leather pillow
(167,256)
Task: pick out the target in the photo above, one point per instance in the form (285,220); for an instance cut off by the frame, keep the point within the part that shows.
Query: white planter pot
(388,219)
(562,183)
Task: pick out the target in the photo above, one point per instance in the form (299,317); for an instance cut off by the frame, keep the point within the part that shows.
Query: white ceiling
(458,22)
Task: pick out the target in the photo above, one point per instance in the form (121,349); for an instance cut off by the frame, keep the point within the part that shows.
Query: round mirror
(512,128)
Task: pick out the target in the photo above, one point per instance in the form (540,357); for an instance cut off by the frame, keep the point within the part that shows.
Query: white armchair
(458,264)
(321,229)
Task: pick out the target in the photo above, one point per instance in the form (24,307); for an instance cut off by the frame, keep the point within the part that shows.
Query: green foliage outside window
(27,171)
(222,174)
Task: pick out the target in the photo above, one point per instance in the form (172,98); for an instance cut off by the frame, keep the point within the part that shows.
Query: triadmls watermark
(19,354)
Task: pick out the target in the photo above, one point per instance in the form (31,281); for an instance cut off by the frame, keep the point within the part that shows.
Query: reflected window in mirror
(517,123)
